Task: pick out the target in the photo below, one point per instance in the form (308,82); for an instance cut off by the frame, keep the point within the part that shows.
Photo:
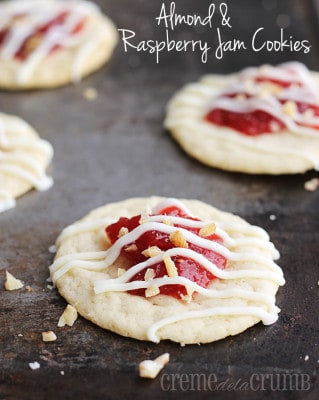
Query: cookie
(155,269)
(50,43)
(262,120)
(24,157)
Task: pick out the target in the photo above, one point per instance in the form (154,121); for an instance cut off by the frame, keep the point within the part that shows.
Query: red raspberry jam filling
(256,120)
(186,267)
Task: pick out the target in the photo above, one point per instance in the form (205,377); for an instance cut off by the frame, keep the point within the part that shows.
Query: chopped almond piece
(29,288)
(189,290)
(12,283)
(123,231)
(151,368)
(131,247)
(152,291)
(178,240)
(120,272)
(68,317)
(49,336)
(167,221)
(149,274)
(170,266)
(144,217)
(207,230)
(152,251)
(289,108)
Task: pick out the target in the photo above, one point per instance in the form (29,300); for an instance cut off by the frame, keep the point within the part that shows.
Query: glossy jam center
(186,267)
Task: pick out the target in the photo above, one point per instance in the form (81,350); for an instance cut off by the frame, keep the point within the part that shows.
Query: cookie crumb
(151,368)
(34,365)
(306,357)
(61,372)
(90,94)
(272,217)
(49,336)
(29,288)
(50,287)
(12,283)
(312,185)
(68,317)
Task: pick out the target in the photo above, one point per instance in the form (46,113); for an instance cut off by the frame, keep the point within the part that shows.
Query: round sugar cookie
(50,43)
(262,120)
(24,157)
(155,269)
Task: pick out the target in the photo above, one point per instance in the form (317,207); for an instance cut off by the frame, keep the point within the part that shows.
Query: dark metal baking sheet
(115,147)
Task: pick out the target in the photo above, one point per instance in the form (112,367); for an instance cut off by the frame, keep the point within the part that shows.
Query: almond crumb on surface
(170,266)
(151,368)
(68,317)
(149,274)
(178,240)
(49,336)
(312,185)
(29,288)
(207,230)
(152,291)
(90,93)
(34,365)
(12,283)
(152,251)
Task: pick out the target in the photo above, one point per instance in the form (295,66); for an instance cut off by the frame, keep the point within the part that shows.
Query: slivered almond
(170,266)
(152,291)
(178,240)
(207,230)
(152,251)
(149,274)
(123,231)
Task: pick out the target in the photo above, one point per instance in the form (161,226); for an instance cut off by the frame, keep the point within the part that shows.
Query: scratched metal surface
(114,148)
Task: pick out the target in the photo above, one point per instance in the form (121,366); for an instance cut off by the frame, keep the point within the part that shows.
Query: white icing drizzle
(246,83)
(18,159)
(36,14)
(253,237)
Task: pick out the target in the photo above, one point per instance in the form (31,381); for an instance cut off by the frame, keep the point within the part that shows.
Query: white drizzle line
(267,318)
(37,14)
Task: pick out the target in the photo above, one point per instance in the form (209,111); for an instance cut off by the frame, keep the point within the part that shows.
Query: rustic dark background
(115,147)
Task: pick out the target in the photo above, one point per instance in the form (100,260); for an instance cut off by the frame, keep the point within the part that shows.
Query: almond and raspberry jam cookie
(155,269)
(262,120)
(49,43)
